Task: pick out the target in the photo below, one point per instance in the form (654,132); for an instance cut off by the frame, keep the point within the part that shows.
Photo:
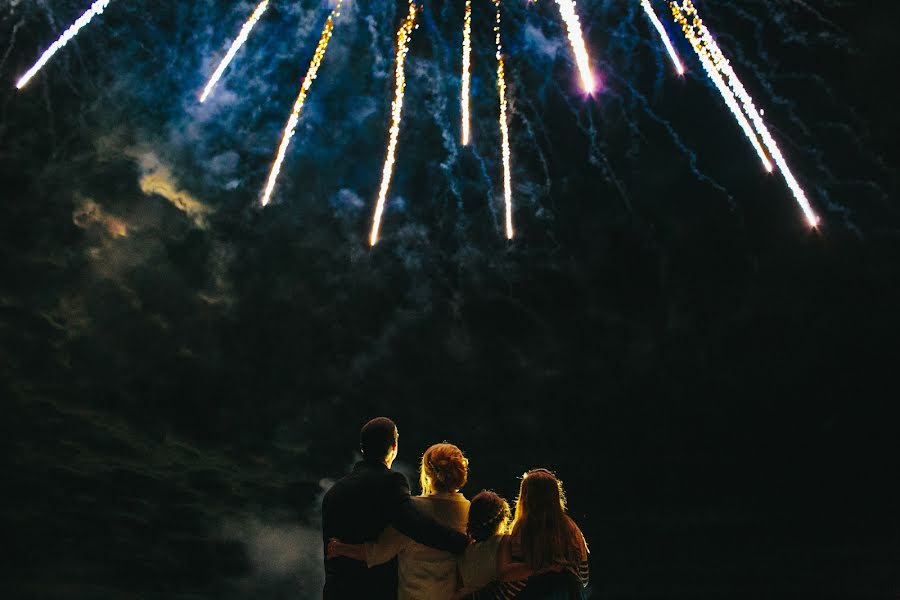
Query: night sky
(183,373)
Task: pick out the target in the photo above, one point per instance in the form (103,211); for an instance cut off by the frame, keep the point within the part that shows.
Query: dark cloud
(184,371)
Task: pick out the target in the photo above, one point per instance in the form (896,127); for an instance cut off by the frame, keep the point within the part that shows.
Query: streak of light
(706,43)
(96,8)
(724,90)
(573,27)
(403,37)
(291,126)
(504,128)
(466,71)
(648,8)
(235,46)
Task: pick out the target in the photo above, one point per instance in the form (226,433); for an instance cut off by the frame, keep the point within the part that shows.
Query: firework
(235,46)
(722,87)
(648,8)
(403,37)
(573,27)
(466,67)
(291,126)
(735,109)
(96,8)
(704,44)
(504,128)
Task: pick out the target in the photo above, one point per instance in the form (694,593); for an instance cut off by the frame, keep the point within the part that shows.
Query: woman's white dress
(424,573)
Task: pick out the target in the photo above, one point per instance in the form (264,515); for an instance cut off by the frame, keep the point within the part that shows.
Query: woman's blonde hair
(546,533)
(444,468)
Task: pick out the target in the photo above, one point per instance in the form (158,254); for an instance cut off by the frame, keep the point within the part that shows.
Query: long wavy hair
(444,468)
(547,535)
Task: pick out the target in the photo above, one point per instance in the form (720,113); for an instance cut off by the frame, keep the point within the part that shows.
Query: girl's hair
(546,533)
(444,469)
(488,516)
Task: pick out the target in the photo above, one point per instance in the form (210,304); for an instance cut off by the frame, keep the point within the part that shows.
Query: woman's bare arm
(507,569)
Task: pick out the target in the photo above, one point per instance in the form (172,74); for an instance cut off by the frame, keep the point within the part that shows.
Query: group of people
(381,543)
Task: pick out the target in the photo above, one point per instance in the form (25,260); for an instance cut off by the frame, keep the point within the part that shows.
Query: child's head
(488,516)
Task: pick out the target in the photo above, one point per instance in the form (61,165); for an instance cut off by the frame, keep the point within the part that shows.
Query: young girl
(546,539)
(487,561)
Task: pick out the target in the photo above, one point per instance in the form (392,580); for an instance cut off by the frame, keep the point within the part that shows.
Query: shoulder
(396,476)
(459,498)
(425,505)
(361,481)
(573,527)
(576,536)
(396,479)
(336,490)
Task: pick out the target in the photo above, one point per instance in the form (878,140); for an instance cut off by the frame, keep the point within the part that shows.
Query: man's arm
(406,518)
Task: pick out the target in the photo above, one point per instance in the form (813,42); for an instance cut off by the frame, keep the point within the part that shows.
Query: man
(361,505)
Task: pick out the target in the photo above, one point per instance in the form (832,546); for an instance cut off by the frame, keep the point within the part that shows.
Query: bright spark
(466,68)
(727,95)
(717,58)
(291,126)
(504,128)
(235,46)
(573,27)
(648,8)
(403,37)
(96,8)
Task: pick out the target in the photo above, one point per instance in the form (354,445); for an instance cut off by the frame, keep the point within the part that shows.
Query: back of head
(376,438)
(488,516)
(547,535)
(444,468)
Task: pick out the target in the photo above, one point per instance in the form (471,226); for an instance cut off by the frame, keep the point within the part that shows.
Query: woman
(546,539)
(424,573)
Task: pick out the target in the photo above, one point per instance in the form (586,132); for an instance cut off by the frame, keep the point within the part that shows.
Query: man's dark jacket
(356,510)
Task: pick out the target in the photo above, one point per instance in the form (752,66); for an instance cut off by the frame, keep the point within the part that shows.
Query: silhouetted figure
(546,539)
(425,573)
(361,505)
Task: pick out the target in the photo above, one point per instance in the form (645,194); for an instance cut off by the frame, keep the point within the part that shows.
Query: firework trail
(235,46)
(504,128)
(735,108)
(96,8)
(403,37)
(291,126)
(703,42)
(648,8)
(573,26)
(466,67)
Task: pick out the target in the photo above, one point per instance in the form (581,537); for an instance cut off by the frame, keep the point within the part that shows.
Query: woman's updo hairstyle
(489,515)
(444,469)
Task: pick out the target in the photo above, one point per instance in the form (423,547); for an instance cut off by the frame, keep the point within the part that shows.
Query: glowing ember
(96,8)
(403,36)
(291,126)
(235,46)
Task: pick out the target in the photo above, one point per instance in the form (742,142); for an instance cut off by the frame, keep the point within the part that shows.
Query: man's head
(378,441)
